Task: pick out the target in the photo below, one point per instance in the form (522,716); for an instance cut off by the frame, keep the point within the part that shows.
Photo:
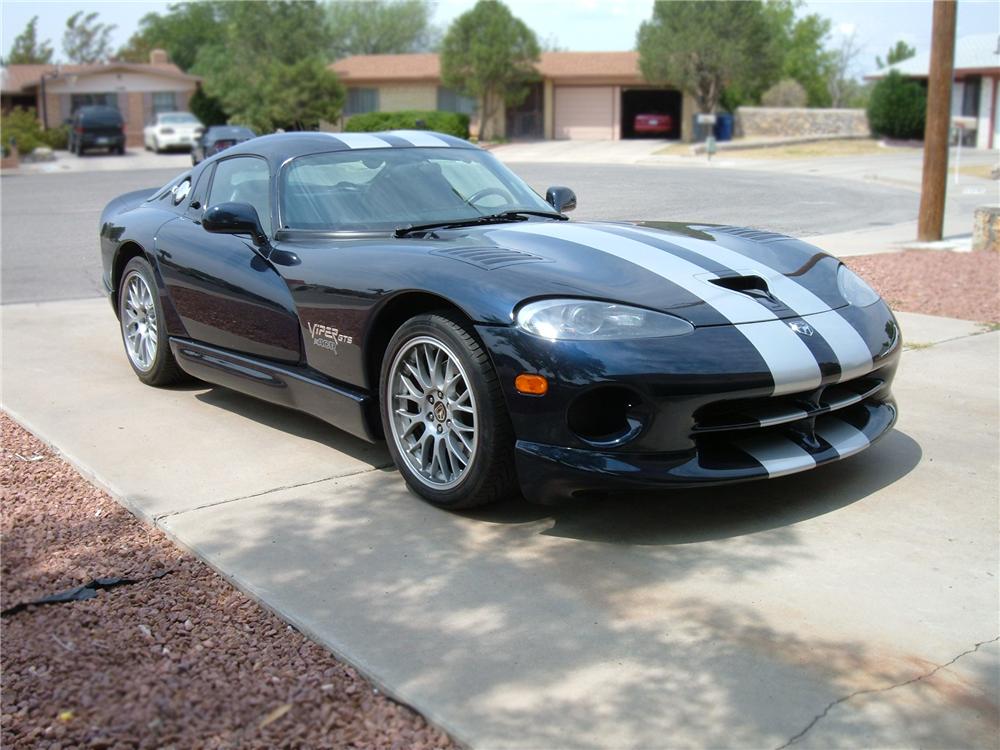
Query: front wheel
(443,414)
(143,331)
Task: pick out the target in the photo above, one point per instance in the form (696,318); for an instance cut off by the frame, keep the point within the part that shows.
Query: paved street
(854,606)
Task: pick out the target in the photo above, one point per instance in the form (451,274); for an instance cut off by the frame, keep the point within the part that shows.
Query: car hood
(706,274)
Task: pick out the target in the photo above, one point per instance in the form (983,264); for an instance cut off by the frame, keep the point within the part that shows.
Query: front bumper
(703,409)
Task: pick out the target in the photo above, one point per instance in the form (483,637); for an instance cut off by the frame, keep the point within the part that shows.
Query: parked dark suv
(97,127)
(218,138)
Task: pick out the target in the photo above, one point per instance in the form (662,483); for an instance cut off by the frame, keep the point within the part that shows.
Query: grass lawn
(813,150)
(978,170)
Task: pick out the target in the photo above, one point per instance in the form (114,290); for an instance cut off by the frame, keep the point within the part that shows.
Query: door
(225,293)
(585,112)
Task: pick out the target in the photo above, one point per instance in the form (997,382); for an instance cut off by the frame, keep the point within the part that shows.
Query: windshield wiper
(497,218)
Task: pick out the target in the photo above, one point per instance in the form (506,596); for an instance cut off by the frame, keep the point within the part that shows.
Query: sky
(571,24)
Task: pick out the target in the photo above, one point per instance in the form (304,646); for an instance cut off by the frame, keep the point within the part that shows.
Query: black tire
(490,476)
(120,150)
(163,368)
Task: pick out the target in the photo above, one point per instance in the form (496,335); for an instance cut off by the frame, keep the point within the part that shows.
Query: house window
(87,100)
(164,101)
(970,97)
(451,101)
(360,101)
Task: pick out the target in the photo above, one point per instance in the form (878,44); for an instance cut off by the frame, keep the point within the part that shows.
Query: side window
(244,179)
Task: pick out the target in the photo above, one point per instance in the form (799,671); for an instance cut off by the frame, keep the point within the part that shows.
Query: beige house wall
(548,109)
(397,97)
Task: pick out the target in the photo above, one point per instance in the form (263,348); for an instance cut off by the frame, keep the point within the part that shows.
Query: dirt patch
(935,282)
(181,661)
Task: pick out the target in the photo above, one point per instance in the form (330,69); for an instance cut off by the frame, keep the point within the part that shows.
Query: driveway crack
(161,516)
(855,694)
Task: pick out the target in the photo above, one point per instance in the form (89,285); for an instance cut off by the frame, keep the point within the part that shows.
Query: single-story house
(578,95)
(138,90)
(974,93)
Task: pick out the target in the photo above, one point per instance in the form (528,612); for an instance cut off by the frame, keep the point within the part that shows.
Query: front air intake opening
(607,416)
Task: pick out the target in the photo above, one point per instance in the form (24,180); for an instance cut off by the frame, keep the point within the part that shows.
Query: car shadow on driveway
(687,516)
(296,423)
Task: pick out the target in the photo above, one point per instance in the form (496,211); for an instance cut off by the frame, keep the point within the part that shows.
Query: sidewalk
(821,606)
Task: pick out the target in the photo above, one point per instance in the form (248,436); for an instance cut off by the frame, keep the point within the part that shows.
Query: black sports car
(217,139)
(408,285)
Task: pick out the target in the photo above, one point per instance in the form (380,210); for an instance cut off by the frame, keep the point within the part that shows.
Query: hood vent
(489,258)
(752,286)
(754,235)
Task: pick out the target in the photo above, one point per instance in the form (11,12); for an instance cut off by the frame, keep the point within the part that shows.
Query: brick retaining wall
(755,122)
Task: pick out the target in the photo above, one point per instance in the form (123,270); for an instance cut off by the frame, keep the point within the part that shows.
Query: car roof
(279,147)
(215,129)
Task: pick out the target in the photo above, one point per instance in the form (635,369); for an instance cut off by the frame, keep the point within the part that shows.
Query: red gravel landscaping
(936,282)
(182,661)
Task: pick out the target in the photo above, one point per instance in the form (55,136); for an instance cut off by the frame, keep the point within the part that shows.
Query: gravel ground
(935,282)
(183,661)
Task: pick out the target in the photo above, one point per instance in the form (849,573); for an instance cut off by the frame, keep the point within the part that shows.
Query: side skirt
(342,407)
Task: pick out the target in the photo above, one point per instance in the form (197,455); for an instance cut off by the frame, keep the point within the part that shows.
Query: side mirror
(562,199)
(234,218)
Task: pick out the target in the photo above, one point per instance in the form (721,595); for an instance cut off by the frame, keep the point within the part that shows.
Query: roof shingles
(427,67)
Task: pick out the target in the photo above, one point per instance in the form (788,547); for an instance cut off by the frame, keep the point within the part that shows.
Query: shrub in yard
(452,123)
(785,93)
(897,107)
(23,127)
(55,138)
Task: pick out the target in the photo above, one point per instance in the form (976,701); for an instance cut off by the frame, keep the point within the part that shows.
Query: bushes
(22,125)
(897,107)
(785,93)
(452,123)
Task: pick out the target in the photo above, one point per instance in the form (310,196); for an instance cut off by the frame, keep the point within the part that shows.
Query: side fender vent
(489,258)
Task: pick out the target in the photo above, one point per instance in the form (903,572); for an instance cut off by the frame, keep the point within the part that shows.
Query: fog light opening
(609,415)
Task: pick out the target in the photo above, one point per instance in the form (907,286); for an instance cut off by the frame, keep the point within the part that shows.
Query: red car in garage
(651,124)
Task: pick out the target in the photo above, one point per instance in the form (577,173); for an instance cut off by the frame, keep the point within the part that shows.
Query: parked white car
(172,130)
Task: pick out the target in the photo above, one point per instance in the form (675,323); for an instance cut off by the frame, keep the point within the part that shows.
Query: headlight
(588,320)
(854,289)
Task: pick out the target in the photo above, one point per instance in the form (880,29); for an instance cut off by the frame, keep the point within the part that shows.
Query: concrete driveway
(854,606)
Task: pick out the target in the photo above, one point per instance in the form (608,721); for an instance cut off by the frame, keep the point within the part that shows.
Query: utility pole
(935,177)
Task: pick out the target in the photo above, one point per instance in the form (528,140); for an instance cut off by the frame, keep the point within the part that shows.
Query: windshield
(382,189)
(179,119)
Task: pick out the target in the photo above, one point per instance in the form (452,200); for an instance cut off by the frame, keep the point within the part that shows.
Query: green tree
(27,49)
(182,31)
(707,47)
(376,27)
(806,60)
(267,67)
(490,55)
(897,53)
(86,40)
(897,107)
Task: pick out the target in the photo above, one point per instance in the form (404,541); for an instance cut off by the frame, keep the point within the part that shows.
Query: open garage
(662,108)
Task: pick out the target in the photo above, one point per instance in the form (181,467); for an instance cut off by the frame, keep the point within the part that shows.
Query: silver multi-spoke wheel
(433,414)
(139,321)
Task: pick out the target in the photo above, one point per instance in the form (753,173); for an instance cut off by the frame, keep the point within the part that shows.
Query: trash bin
(699,130)
(724,126)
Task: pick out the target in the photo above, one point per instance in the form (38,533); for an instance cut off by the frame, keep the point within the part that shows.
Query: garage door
(584,112)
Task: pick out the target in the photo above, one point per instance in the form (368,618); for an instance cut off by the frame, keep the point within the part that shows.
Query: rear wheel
(444,416)
(142,325)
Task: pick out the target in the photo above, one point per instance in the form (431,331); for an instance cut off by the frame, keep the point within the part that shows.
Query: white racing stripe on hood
(361,140)
(852,352)
(793,366)
(419,138)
